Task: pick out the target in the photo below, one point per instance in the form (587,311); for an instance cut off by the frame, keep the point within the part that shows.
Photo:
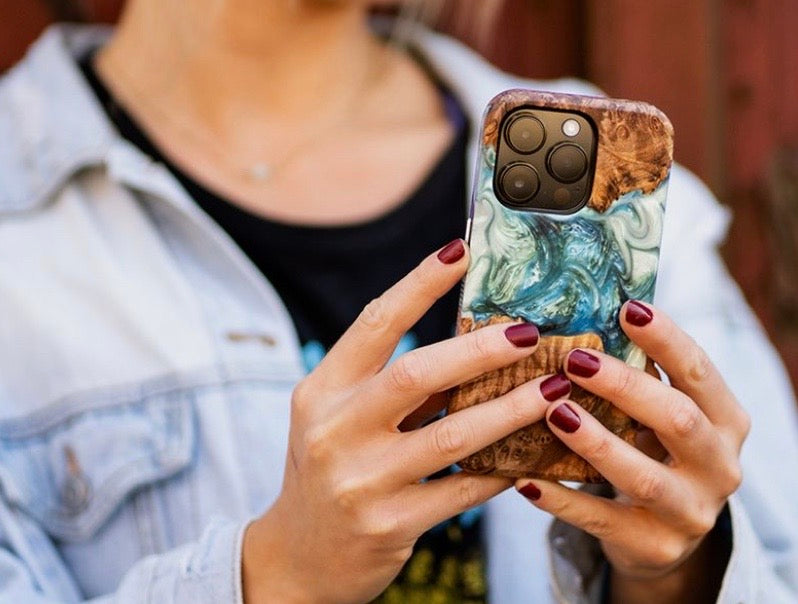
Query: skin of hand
(654,532)
(354,498)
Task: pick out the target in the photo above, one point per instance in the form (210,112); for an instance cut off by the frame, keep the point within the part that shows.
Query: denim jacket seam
(105,397)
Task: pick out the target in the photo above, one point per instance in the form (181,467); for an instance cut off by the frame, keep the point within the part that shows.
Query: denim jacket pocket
(72,473)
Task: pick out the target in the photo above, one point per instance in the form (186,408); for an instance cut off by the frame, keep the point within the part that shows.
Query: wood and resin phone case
(566,272)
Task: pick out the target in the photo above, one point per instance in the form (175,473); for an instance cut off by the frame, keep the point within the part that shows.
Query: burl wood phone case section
(567,274)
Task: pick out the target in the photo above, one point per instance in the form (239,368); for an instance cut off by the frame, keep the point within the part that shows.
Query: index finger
(369,342)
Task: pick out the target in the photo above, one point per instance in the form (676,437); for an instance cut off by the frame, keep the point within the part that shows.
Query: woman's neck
(214,61)
(266,101)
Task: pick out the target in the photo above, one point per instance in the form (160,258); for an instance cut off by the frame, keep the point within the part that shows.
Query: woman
(152,384)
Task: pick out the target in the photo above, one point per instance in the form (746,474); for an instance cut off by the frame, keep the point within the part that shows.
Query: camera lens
(567,162)
(525,133)
(519,182)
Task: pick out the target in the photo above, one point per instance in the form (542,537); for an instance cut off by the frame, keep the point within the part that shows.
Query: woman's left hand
(663,510)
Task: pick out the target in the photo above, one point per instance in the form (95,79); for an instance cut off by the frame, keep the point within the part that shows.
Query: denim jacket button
(76,488)
(75,495)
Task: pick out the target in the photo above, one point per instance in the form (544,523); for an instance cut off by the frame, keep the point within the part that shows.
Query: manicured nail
(565,418)
(530,491)
(522,335)
(583,364)
(452,252)
(554,387)
(637,314)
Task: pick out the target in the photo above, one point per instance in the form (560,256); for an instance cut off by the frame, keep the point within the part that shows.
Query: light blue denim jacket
(146,369)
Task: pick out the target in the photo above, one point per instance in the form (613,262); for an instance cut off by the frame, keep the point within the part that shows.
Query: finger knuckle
(701,523)
(302,397)
(648,487)
(625,383)
(348,495)
(684,418)
(374,315)
(317,442)
(744,422)
(699,366)
(518,410)
(600,450)
(403,554)
(408,373)
(380,526)
(449,438)
(480,344)
(561,507)
(598,526)
(469,493)
(733,479)
(666,552)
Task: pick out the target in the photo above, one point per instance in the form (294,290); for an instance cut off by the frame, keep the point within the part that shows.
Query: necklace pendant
(260,172)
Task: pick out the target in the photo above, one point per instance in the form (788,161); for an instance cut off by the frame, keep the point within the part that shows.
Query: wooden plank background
(725,71)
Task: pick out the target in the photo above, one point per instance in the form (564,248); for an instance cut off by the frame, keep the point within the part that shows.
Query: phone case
(567,274)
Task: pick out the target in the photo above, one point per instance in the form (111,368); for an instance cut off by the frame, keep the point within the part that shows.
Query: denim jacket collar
(51,123)
(53,126)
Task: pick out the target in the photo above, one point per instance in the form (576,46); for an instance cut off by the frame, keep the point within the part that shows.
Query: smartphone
(565,225)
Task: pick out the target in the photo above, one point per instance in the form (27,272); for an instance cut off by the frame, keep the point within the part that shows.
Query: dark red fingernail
(522,335)
(583,364)
(452,252)
(565,418)
(637,314)
(530,491)
(554,387)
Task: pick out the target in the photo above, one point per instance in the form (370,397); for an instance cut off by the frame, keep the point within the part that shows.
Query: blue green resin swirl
(567,274)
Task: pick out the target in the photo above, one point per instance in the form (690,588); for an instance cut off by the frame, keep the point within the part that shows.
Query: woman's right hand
(354,497)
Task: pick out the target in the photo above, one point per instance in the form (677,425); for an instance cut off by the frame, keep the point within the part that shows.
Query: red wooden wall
(725,71)
(21,21)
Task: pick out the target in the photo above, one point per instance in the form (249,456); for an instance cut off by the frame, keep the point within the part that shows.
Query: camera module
(544,159)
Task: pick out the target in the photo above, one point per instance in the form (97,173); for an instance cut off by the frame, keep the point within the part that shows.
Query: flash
(571,127)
